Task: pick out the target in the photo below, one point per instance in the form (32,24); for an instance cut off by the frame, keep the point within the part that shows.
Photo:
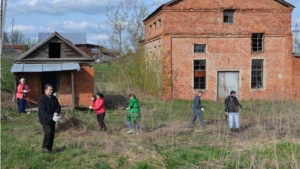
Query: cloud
(58,7)
(70,25)
(61,27)
(97,38)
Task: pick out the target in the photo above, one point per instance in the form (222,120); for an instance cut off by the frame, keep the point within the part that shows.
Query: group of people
(133,114)
(49,109)
(232,106)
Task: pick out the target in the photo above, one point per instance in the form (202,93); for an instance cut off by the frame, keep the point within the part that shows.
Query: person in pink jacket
(22,95)
(98,106)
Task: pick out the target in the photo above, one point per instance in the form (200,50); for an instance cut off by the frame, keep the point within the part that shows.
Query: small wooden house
(57,61)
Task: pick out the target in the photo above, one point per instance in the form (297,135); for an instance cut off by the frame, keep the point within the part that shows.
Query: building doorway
(227,81)
(49,78)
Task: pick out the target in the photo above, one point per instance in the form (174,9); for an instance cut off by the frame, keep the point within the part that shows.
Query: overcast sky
(72,16)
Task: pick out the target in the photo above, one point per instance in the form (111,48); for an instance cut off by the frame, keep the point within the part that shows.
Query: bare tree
(125,21)
(5,38)
(296,40)
(31,42)
(17,37)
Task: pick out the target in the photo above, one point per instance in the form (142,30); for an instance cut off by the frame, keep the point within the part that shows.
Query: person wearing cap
(197,107)
(232,106)
(48,111)
(98,106)
(133,114)
(22,95)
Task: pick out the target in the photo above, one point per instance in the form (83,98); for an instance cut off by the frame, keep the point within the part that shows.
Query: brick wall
(84,86)
(65,88)
(33,81)
(223,54)
(228,45)
(296,78)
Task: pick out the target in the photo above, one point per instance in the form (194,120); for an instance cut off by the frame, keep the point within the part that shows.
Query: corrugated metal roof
(44,67)
(75,38)
(51,67)
(32,67)
(70,66)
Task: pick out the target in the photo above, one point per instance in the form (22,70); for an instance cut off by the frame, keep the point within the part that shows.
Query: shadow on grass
(60,149)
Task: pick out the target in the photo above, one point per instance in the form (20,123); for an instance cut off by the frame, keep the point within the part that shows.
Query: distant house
(92,50)
(80,41)
(223,45)
(57,61)
(20,48)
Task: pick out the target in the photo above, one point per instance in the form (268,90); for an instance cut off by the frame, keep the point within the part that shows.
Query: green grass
(7,78)
(167,140)
(209,148)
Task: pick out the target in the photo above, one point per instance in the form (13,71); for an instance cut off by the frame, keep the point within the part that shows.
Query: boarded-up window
(94,50)
(257,74)
(199,74)
(54,50)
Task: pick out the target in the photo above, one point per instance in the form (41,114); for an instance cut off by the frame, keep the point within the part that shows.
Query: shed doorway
(49,78)
(227,81)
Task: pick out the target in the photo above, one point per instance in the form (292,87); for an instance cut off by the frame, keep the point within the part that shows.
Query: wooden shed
(57,61)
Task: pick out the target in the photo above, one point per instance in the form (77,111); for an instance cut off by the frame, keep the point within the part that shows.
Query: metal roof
(44,67)
(75,38)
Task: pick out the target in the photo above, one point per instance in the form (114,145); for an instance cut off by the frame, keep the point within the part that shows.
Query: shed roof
(174,1)
(44,67)
(85,57)
(76,38)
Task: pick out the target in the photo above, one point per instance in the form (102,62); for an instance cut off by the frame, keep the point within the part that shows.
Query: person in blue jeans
(197,107)
(232,106)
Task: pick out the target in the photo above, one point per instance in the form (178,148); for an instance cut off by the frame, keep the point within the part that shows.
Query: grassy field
(269,138)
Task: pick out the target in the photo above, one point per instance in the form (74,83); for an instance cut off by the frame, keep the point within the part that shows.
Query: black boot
(237,130)
(231,129)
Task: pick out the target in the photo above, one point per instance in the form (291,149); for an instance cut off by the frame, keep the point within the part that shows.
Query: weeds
(269,138)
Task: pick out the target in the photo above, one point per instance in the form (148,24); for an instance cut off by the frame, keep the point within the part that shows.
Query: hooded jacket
(232,104)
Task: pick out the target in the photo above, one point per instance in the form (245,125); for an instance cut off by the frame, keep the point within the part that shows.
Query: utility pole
(296,42)
(12,30)
(2,21)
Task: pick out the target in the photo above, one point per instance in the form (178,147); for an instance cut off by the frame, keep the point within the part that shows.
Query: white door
(227,81)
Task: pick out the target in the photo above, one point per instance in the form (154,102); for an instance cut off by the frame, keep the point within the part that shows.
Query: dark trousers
(197,113)
(49,135)
(21,105)
(100,118)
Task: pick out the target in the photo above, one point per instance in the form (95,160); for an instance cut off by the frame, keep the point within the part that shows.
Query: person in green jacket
(133,113)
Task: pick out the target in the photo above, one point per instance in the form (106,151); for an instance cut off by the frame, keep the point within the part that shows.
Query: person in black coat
(232,106)
(197,107)
(48,110)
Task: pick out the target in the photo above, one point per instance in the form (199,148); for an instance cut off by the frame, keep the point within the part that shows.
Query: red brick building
(59,62)
(223,45)
(21,48)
